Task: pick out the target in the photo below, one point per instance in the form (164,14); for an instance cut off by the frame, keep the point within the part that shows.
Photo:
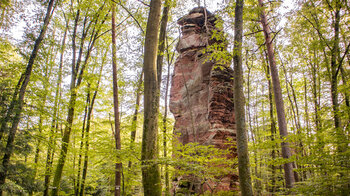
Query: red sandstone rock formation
(201,95)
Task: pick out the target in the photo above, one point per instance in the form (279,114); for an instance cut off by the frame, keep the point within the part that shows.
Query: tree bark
(118,164)
(87,136)
(136,111)
(160,57)
(9,112)
(242,141)
(167,186)
(150,170)
(272,126)
(315,94)
(161,46)
(78,184)
(18,103)
(286,152)
(335,65)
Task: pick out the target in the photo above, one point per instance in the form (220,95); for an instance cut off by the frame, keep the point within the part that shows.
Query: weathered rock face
(201,95)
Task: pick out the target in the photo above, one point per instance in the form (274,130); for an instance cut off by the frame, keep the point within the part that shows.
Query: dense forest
(84,97)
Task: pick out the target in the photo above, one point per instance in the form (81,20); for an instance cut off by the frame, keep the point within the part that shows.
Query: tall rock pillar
(201,95)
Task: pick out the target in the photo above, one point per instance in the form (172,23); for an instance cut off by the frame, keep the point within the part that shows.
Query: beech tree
(118,165)
(286,152)
(150,169)
(242,140)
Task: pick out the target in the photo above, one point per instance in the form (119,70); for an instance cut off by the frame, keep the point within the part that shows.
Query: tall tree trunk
(50,147)
(315,99)
(118,164)
(71,106)
(37,151)
(296,116)
(335,63)
(306,107)
(347,97)
(87,136)
(242,141)
(90,107)
(81,185)
(252,130)
(286,152)
(161,46)
(9,112)
(150,170)
(77,77)
(18,103)
(272,126)
(161,50)
(77,187)
(136,111)
(65,142)
(346,93)
(167,186)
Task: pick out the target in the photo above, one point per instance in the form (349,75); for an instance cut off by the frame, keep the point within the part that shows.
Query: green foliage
(10,70)
(323,168)
(203,164)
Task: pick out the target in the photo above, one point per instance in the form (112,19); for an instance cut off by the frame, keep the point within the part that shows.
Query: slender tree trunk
(81,186)
(75,84)
(306,108)
(307,123)
(90,108)
(71,106)
(18,103)
(347,100)
(161,50)
(48,167)
(9,112)
(286,152)
(150,170)
(252,130)
(87,136)
(136,111)
(65,142)
(273,130)
(167,186)
(248,94)
(242,141)
(118,164)
(315,95)
(296,116)
(334,80)
(37,151)
(346,93)
(78,184)
(161,46)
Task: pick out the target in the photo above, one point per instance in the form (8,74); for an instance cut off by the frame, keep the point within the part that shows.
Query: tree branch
(342,59)
(143,3)
(253,33)
(126,9)
(276,35)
